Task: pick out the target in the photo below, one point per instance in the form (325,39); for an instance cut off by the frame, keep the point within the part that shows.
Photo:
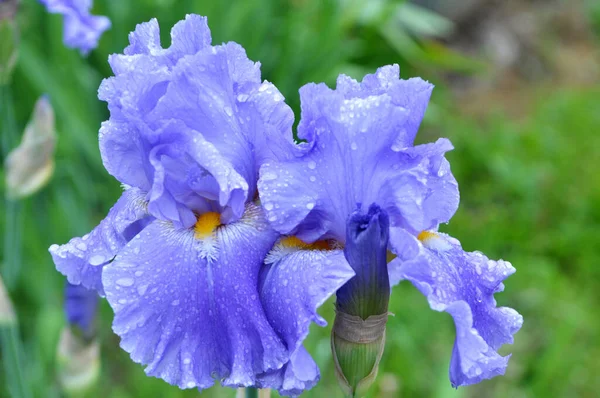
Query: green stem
(7,113)
(10,342)
(12,243)
(12,356)
(251,392)
(13,221)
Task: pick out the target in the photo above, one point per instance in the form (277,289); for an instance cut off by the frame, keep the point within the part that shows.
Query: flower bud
(78,363)
(358,335)
(81,306)
(78,354)
(30,165)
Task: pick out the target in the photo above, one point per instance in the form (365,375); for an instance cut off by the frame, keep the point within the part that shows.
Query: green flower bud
(358,334)
(78,363)
(30,165)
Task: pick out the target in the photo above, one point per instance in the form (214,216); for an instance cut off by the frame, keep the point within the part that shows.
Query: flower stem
(10,342)
(13,223)
(12,354)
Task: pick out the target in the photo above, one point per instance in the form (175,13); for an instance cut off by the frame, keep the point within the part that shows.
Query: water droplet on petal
(125,282)
(97,259)
(312,165)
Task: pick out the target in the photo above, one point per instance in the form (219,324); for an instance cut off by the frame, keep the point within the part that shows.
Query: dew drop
(313,178)
(268,206)
(354,146)
(310,206)
(142,289)
(97,259)
(312,165)
(125,282)
(81,246)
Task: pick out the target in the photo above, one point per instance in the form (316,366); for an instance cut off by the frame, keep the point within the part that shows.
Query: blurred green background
(518,94)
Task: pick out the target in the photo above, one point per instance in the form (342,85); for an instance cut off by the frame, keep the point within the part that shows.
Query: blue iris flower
(180,256)
(81,305)
(360,149)
(81,29)
(206,282)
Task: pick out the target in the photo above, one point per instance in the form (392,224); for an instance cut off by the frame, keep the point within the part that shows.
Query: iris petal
(82,259)
(292,289)
(164,101)
(189,318)
(462,284)
(359,150)
(81,29)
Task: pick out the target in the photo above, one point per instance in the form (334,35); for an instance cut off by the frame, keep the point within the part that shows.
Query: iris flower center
(426,235)
(206,224)
(434,241)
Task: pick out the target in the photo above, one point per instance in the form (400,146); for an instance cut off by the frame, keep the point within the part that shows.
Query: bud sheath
(358,335)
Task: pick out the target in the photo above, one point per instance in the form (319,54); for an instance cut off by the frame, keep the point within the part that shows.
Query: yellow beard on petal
(290,244)
(206,225)
(426,235)
(434,241)
(295,242)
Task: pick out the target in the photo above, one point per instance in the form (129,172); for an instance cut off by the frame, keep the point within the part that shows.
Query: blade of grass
(12,356)
(12,226)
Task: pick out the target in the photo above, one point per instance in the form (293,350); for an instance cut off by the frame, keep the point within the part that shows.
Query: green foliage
(530,193)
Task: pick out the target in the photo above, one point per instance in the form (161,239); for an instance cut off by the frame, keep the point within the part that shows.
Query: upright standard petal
(81,29)
(194,317)
(359,150)
(462,284)
(82,259)
(294,284)
(164,103)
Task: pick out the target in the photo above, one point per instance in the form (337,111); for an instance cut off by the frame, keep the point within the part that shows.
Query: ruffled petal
(187,37)
(359,150)
(421,191)
(294,285)
(462,284)
(122,151)
(301,373)
(412,94)
(203,95)
(82,259)
(171,106)
(190,309)
(190,176)
(81,29)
